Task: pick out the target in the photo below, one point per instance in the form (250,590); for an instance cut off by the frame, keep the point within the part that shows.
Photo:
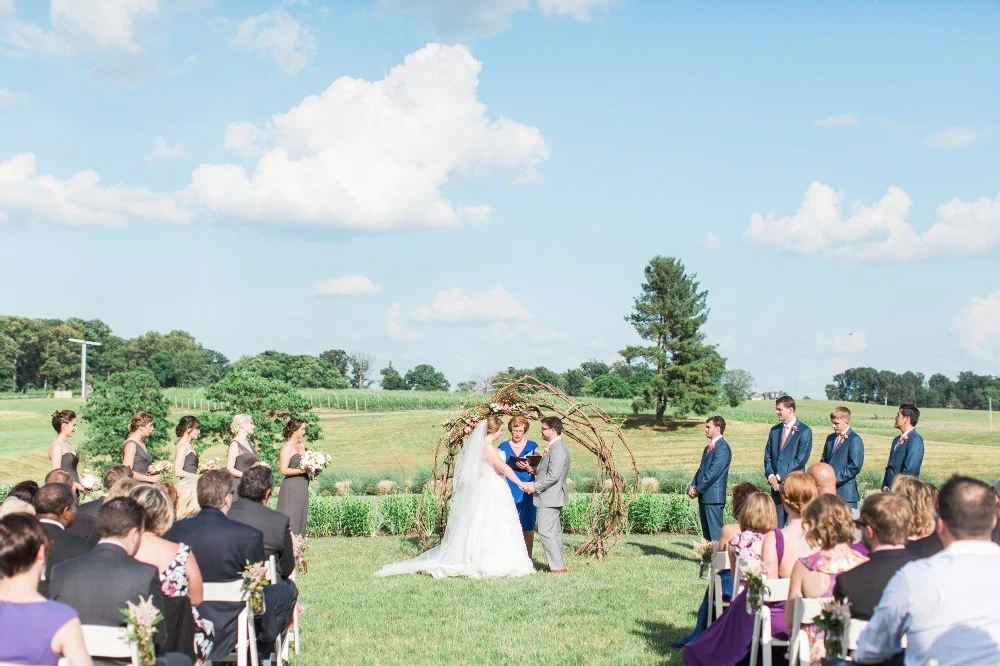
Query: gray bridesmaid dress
(246,459)
(142,460)
(191,463)
(69,462)
(293,498)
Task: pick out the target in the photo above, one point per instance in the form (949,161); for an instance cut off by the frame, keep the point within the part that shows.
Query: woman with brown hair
(135,456)
(519,446)
(62,455)
(185,457)
(293,496)
(828,527)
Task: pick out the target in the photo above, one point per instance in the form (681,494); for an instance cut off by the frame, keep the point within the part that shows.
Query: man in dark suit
(112,476)
(907,452)
(884,522)
(710,482)
(250,508)
(83,526)
(223,547)
(98,584)
(789,445)
(845,453)
(55,508)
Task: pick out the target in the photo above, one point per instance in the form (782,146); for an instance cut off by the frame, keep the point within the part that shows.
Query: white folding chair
(246,635)
(110,642)
(280,646)
(293,635)
(805,612)
(854,631)
(763,640)
(716,604)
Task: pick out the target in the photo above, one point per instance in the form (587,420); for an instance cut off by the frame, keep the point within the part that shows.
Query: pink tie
(840,440)
(784,437)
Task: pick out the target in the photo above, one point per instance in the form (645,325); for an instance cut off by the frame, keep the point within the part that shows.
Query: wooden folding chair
(246,635)
(763,638)
(716,604)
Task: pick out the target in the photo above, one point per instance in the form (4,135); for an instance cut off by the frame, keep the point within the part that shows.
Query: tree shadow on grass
(669,424)
(660,636)
(649,549)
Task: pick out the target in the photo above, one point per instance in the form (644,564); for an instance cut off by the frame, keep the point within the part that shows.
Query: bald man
(824,476)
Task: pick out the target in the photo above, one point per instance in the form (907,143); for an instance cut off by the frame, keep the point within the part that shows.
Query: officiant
(514,451)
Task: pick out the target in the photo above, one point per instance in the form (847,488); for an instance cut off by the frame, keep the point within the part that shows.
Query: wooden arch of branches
(583,423)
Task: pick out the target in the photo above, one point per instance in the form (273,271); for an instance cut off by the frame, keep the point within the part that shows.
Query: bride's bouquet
(208,465)
(313,462)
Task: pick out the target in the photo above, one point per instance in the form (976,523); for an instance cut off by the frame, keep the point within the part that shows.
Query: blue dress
(525,503)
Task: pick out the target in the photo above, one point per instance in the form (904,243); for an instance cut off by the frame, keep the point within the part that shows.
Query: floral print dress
(174,583)
(831,566)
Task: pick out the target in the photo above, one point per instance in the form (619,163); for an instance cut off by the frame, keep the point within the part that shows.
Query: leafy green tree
(337,358)
(391,379)
(110,408)
(425,378)
(669,313)
(737,386)
(611,385)
(270,402)
(161,364)
(8,362)
(595,368)
(638,375)
(577,382)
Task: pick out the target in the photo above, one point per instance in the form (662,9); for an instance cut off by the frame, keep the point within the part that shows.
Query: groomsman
(788,447)
(711,481)
(845,452)
(907,452)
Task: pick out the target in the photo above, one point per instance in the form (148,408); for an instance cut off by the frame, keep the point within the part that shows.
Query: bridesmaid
(62,455)
(242,454)
(185,457)
(519,446)
(293,496)
(135,456)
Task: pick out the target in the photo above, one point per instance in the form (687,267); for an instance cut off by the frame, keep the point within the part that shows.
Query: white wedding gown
(483,537)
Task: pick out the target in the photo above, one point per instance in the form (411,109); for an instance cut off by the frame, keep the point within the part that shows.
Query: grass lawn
(625,609)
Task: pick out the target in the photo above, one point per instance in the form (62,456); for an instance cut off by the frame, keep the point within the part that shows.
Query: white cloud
(276,32)
(9,99)
(957,137)
(373,155)
(843,343)
(710,240)
(454,305)
(6,7)
(188,63)
(105,25)
(879,231)
(395,328)
(161,151)
(348,285)
(978,327)
(78,200)
(843,120)
(581,10)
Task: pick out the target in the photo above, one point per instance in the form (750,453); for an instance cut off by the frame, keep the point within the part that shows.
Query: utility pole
(83,363)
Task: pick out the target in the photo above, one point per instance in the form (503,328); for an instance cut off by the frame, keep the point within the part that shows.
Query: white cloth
(483,537)
(947,607)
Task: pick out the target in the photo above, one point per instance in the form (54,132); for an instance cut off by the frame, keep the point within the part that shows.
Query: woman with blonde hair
(483,536)
(242,453)
(828,527)
(135,456)
(180,575)
(923,501)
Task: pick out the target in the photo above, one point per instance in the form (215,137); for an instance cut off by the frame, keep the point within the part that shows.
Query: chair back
(805,612)
(246,637)
(272,569)
(230,591)
(109,642)
(854,631)
(720,563)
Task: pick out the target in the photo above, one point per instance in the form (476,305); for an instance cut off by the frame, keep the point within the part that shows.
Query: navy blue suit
(846,461)
(711,482)
(905,458)
(783,461)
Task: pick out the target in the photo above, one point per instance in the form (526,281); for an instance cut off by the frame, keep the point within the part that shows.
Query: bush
(646,514)
(324,517)
(575,515)
(110,408)
(396,513)
(356,517)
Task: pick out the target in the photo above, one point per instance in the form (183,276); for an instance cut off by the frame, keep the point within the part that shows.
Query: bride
(483,537)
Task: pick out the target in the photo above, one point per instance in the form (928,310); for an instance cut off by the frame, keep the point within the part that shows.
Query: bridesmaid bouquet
(705,551)
(834,620)
(299,547)
(141,620)
(254,582)
(756,582)
(159,467)
(313,462)
(208,465)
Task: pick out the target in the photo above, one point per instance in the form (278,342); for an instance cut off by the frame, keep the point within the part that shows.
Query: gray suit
(550,498)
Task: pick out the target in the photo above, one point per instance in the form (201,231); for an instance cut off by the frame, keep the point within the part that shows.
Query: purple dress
(727,641)
(34,623)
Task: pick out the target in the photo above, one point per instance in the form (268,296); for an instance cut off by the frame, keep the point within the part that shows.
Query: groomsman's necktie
(840,439)
(784,436)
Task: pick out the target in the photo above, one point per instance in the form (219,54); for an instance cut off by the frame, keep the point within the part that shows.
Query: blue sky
(480,184)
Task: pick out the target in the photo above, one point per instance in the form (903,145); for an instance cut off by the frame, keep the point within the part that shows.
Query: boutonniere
(903,438)
(795,427)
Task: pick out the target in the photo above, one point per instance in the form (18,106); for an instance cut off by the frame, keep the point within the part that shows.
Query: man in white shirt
(946,605)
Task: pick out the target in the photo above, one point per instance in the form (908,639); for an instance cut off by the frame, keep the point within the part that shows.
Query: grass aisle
(626,609)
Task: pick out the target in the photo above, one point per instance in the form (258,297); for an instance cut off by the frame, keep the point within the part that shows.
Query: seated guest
(825,477)
(82,525)
(829,528)
(922,539)
(945,605)
(250,508)
(178,568)
(24,491)
(99,583)
(783,548)
(885,522)
(113,475)
(55,508)
(45,630)
(14,505)
(223,548)
(727,641)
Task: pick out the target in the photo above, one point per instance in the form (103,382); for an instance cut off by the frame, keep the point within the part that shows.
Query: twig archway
(583,423)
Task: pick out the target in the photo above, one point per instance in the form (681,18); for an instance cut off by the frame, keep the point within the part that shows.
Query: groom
(550,493)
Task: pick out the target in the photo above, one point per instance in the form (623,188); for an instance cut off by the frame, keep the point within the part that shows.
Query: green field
(401,442)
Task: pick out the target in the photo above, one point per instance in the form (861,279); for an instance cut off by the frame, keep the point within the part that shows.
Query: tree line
(968,391)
